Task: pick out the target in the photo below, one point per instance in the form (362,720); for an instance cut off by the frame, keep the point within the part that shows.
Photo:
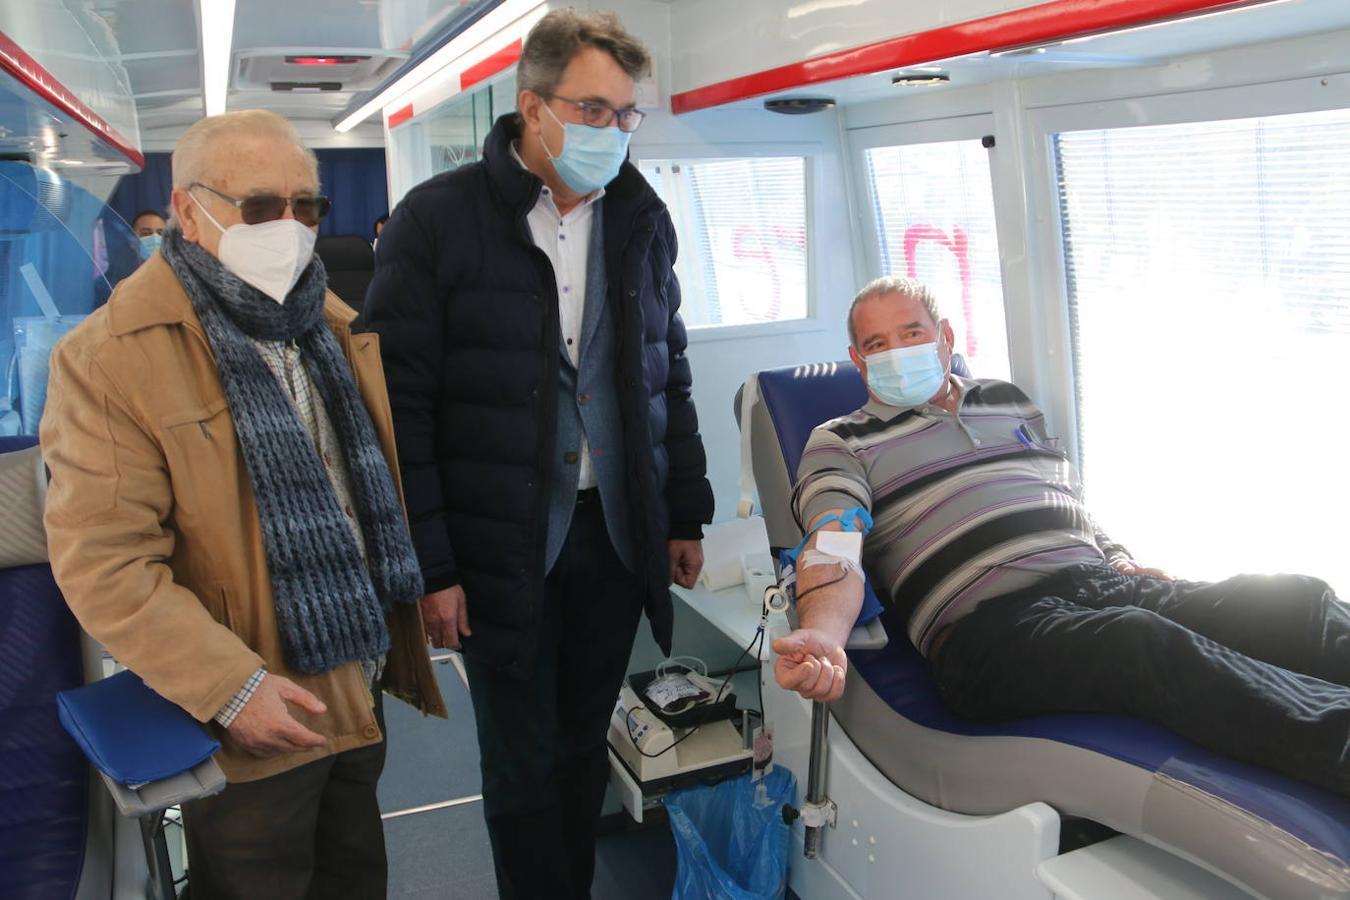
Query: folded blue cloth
(130,733)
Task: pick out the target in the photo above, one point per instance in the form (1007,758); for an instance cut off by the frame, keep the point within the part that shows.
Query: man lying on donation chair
(981,541)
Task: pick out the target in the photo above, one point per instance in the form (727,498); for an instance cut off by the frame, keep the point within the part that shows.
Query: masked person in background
(224,516)
(149,228)
(529,314)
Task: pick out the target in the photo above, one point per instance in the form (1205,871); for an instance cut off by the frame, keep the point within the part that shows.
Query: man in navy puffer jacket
(555,478)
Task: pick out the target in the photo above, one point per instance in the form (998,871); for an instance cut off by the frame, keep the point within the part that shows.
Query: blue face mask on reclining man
(906,376)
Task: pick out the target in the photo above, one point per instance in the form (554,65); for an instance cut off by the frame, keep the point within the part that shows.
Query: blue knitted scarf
(330,604)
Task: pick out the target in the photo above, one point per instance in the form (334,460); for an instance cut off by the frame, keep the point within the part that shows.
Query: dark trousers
(1255,667)
(313,832)
(542,740)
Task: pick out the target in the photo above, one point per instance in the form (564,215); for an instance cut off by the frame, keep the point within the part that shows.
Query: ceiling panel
(319,24)
(1149,45)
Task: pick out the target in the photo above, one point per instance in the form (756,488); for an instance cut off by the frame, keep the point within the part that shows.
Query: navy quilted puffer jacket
(466,308)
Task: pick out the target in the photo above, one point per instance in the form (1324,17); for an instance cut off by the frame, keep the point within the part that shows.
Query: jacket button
(582,398)
(569,457)
(632,293)
(371,731)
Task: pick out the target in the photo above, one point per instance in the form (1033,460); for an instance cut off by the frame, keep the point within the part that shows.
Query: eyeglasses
(309,209)
(602,115)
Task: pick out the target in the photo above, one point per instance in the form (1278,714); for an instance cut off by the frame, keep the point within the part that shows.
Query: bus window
(933,207)
(742,230)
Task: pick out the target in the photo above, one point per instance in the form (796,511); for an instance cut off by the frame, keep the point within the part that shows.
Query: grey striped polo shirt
(965,507)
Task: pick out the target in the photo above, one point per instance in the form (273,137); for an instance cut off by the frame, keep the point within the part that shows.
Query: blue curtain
(356,180)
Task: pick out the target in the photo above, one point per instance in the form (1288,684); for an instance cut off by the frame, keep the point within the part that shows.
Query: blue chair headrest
(800,398)
(15,443)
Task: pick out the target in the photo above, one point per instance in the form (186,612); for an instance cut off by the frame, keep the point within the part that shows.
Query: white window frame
(902,134)
(973,126)
(807,151)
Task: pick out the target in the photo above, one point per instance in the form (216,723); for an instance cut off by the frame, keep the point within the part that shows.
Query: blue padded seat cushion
(902,678)
(44,778)
(131,733)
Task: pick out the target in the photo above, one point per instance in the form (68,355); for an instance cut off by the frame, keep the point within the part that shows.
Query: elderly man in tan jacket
(224,516)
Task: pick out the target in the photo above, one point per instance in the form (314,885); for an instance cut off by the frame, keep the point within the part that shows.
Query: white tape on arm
(835,548)
(845,544)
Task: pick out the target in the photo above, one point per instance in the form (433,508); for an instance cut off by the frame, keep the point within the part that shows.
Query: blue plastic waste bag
(731,842)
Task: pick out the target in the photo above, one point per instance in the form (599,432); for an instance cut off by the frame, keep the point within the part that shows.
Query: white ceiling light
(216,18)
(920,76)
(493,23)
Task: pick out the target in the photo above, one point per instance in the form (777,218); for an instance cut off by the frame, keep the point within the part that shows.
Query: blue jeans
(1255,667)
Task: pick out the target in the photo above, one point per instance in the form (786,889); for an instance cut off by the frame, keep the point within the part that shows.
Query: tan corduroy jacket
(153,529)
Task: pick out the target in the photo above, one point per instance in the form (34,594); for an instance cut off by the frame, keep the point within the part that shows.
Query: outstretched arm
(811,660)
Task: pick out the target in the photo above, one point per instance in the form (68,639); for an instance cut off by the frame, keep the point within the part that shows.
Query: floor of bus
(434,832)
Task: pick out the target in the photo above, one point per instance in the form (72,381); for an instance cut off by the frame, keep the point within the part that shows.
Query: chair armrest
(869,636)
(202,780)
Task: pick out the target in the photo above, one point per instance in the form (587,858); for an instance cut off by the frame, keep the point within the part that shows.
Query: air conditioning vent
(325,60)
(306,87)
(301,68)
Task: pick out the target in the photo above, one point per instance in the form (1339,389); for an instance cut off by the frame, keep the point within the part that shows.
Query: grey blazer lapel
(597,281)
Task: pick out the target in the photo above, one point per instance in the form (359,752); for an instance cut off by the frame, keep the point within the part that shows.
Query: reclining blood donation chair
(60,832)
(912,801)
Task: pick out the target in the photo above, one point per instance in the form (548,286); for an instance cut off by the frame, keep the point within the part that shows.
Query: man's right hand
(812,663)
(445,615)
(265,727)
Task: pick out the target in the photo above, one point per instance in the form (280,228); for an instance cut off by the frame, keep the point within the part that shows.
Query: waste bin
(731,842)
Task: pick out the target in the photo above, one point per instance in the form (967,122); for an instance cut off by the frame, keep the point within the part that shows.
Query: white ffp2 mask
(269,255)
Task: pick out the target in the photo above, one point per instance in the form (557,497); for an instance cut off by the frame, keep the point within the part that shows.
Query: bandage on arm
(842,549)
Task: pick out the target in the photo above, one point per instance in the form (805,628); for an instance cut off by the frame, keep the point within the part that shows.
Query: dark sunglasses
(255,208)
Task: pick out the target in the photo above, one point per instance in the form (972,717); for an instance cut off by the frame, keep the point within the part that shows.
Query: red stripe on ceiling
(1055,20)
(398,117)
(495,63)
(31,74)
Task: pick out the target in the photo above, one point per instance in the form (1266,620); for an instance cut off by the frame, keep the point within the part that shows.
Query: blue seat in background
(44,778)
(60,834)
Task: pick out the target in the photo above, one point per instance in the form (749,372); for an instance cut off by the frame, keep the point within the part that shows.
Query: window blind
(933,205)
(1208,277)
(741,224)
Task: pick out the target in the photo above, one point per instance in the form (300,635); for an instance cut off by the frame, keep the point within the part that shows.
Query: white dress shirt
(567,240)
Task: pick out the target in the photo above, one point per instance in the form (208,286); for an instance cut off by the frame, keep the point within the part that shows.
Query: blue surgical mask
(149,244)
(590,157)
(906,376)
